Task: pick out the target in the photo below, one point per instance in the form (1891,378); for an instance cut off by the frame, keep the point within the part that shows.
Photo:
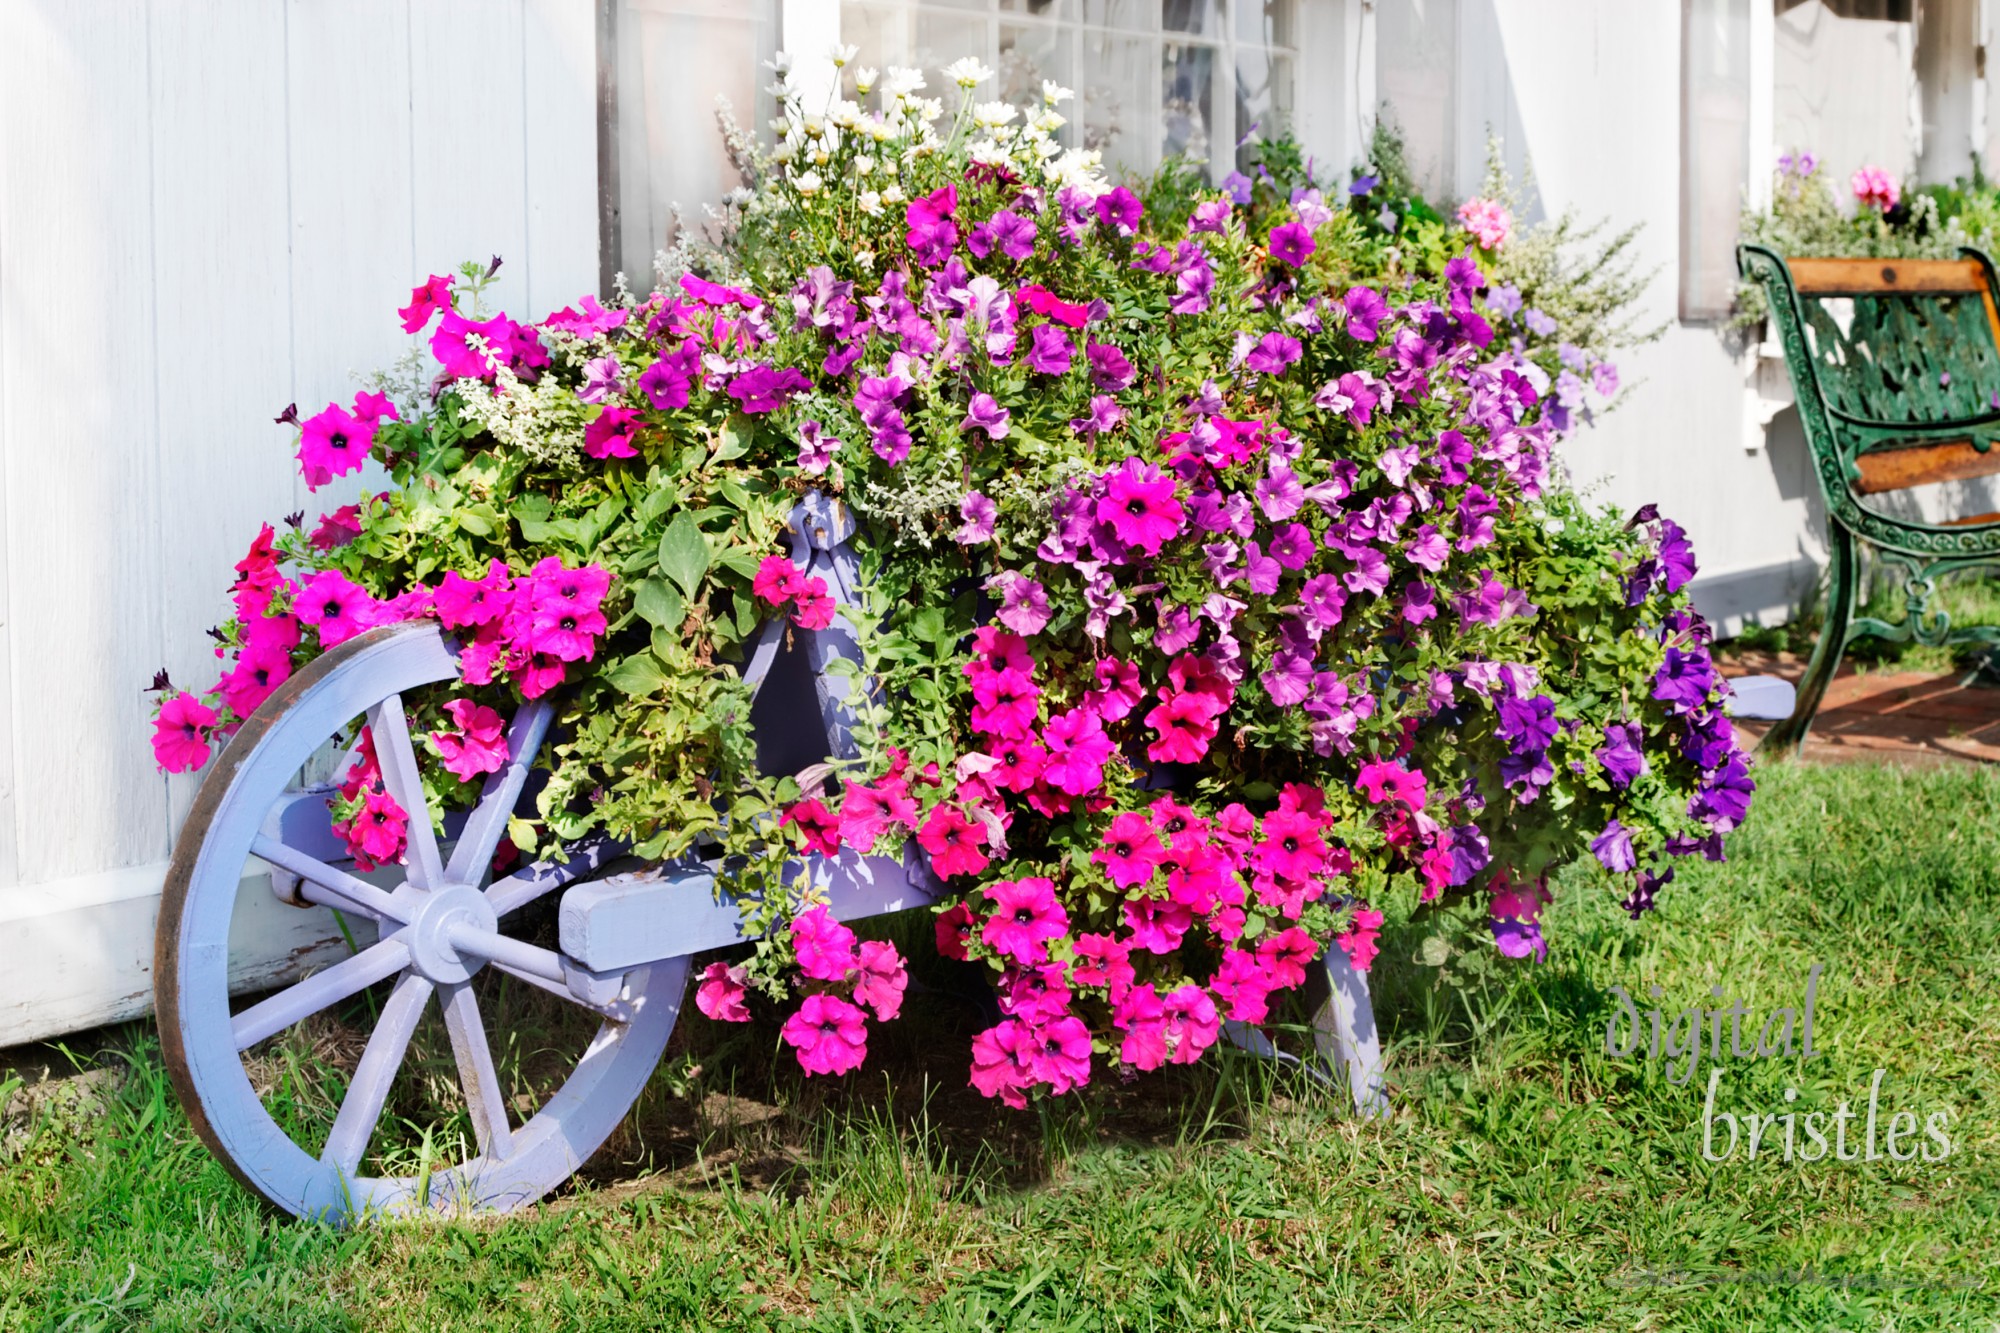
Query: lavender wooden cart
(626,940)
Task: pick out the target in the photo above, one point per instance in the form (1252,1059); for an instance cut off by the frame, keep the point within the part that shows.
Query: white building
(211,208)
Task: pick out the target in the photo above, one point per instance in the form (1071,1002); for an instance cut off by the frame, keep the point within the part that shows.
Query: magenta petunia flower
(668,382)
(1274,353)
(332,444)
(1139,505)
(714,294)
(983,413)
(1192,1024)
(452,344)
(881,980)
(762,389)
(830,1035)
(261,667)
(1003,1062)
(1187,723)
(426,300)
(1078,750)
(867,812)
(1109,368)
(1286,955)
(1049,350)
(336,529)
(1004,703)
(1118,690)
(932,233)
(1102,961)
(1365,312)
(463,602)
(180,734)
(1024,918)
(379,831)
(1131,852)
(954,842)
(720,994)
(819,830)
(1018,763)
(335,607)
(1142,1018)
(823,947)
(478,746)
(609,434)
(979,513)
(1292,243)
(1059,1054)
(1121,211)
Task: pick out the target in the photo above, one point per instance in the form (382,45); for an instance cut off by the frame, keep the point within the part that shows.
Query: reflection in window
(1152,77)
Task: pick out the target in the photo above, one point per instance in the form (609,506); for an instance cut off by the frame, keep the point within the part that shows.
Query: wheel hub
(434,916)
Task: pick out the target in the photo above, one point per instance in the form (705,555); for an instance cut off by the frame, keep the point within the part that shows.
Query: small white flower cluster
(543,420)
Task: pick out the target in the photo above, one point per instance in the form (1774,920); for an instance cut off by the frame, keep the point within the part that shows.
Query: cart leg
(1789,736)
(1344,1030)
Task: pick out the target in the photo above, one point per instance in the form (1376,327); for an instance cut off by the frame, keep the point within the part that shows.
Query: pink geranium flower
(1131,851)
(1025,917)
(824,948)
(720,994)
(180,734)
(332,444)
(830,1035)
(954,842)
(882,979)
(332,604)
(1139,505)
(1488,220)
(478,746)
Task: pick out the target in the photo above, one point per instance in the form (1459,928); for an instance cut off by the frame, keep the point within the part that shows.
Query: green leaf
(660,604)
(684,553)
(638,676)
(1434,952)
(734,439)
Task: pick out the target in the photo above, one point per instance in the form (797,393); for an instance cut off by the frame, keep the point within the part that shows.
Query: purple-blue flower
(1623,754)
(1109,370)
(1365,312)
(1613,848)
(984,413)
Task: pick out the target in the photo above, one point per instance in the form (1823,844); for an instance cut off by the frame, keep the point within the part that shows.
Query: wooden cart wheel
(441,936)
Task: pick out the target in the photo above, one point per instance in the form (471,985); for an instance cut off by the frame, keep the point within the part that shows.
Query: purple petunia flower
(1006,231)
(984,413)
(1273,353)
(816,447)
(1121,211)
(1212,215)
(1725,799)
(1676,555)
(1292,243)
(1292,546)
(1613,848)
(1538,323)
(1239,188)
(1261,571)
(1684,680)
(1323,600)
(1109,370)
(979,514)
(1279,493)
(1518,939)
(603,377)
(1622,753)
(1024,603)
(1105,415)
(1049,350)
(1365,312)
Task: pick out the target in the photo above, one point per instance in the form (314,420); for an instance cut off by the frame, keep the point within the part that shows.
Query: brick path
(1900,717)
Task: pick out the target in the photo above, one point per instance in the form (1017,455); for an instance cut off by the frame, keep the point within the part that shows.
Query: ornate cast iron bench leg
(1789,736)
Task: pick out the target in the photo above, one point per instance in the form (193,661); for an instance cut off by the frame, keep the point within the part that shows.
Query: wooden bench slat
(1923,464)
(1969,520)
(1860,277)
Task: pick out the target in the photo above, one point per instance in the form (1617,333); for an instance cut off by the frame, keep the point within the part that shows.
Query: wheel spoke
(399,773)
(531,882)
(500,948)
(300,1001)
(476,1074)
(369,1090)
(561,992)
(496,804)
(359,892)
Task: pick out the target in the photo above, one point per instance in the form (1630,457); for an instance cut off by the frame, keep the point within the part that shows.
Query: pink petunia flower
(979,513)
(1359,939)
(954,927)
(1142,1018)
(1488,220)
(1191,1023)
(1286,956)
(830,1035)
(261,667)
(1131,851)
(332,444)
(463,602)
(609,434)
(426,300)
(820,830)
(824,948)
(1025,917)
(1157,925)
(180,734)
(867,812)
(478,746)
(1078,750)
(378,833)
(334,606)
(1139,505)
(1242,984)
(882,979)
(1004,703)
(1101,960)
(1187,723)
(1059,1054)
(1003,1062)
(954,842)
(720,994)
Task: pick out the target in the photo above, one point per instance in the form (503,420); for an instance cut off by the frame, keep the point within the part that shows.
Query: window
(1715,147)
(1152,77)
(1416,81)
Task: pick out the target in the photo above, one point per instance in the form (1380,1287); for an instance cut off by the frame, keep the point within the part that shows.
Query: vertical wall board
(220,230)
(84,568)
(559,77)
(352,236)
(468,190)
(11,17)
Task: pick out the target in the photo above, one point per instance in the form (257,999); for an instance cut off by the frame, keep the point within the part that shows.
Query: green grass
(1526,1180)
(1970,598)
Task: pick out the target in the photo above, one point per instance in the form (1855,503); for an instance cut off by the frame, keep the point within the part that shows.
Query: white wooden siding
(209,209)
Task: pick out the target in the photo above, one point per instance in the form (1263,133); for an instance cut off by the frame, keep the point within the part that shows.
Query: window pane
(1263,98)
(882,33)
(1265,22)
(1114,100)
(1715,131)
(943,38)
(1187,100)
(1030,53)
(1138,15)
(1416,67)
(1047,9)
(1200,18)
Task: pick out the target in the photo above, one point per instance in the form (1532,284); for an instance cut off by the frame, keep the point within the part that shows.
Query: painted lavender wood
(207,210)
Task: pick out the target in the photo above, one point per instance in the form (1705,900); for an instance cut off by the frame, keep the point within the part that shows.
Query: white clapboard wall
(210,209)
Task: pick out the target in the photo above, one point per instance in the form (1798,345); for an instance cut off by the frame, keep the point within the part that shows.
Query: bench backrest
(1900,360)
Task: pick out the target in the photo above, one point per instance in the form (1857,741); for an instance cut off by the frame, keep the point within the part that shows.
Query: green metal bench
(1896,367)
